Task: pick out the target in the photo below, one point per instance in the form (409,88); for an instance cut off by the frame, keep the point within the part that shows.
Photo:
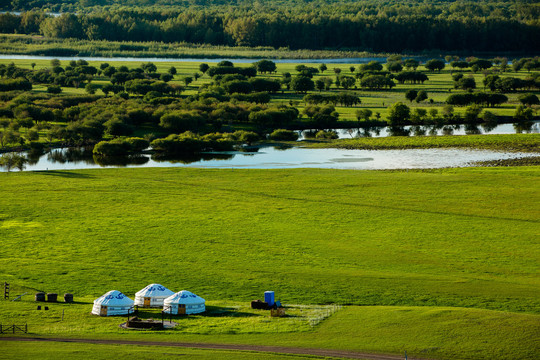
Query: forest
(484,26)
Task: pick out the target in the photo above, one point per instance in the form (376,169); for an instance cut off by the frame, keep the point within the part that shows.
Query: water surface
(271,157)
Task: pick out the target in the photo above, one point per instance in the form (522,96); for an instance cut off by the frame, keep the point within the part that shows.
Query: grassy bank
(38,45)
(426,332)
(357,237)
(509,142)
(444,262)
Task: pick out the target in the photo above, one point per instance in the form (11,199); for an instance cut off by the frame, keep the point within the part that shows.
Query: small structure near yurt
(40,296)
(152,295)
(52,297)
(68,298)
(184,303)
(113,303)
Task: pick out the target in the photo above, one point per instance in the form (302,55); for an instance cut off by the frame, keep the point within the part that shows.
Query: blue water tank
(269,298)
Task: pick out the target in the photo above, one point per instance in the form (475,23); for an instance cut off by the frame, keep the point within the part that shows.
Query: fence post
(26,328)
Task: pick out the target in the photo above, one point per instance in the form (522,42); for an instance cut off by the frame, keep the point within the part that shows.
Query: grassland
(444,263)
(507,142)
(18,44)
(55,350)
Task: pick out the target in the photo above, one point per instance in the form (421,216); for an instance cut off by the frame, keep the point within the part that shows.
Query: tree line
(370,25)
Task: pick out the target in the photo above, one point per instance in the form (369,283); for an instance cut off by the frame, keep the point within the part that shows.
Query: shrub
(284,135)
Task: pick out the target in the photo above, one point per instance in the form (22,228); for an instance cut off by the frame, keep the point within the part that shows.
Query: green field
(505,142)
(440,263)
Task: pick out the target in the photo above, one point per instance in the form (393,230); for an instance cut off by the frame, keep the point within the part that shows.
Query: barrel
(68,298)
(52,297)
(40,296)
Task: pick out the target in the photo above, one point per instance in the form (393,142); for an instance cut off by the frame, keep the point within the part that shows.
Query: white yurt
(184,302)
(112,303)
(152,296)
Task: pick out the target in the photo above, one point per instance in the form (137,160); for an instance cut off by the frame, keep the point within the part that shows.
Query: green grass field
(443,262)
(45,351)
(505,142)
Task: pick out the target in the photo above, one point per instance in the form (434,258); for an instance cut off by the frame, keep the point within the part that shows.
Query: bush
(119,147)
(284,135)
(322,134)
(54,89)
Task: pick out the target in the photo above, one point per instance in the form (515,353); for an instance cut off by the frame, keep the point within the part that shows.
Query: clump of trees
(480,98)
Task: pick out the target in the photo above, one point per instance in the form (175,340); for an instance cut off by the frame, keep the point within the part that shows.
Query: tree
(337,71)
(33,65)
(149,67)
(523,113)
(371,66)
(351,68)
(181,120)
(323,68)
(363,114)
(225,63)
(54,89)
(327,82)
(411,64)
(302,84)
(55,63)
(166,77)
(346,81)
(265,66)
(471,114)
(91,88)
(411,95)
(394,66)
(466,83)
(422,95)
(529,99)
(203,68)
(117,127)
(398,114)
(435,64)
(319,84)
(172,70)
(187,80)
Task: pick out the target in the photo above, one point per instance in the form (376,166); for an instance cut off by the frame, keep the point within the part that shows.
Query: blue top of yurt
(114,297)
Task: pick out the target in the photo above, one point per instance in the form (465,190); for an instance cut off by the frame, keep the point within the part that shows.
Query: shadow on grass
(211,311)
(66,174)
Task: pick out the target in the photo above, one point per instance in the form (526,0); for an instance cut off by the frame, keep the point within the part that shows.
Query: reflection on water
(432,130)
(191,158)
(271,157)
(120,161)
(73,155)
(526,127)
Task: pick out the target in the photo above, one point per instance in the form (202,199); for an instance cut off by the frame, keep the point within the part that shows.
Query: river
(272,157)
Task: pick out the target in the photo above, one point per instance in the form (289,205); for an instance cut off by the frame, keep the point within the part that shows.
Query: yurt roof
(154,290)
(114,298)
(184,297)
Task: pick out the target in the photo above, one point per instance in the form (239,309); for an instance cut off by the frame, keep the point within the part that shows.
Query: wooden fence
(12,329)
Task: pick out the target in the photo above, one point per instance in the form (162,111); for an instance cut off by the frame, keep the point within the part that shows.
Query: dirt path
(259,348)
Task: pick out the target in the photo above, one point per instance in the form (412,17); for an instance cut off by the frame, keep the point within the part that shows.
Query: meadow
(441,263)
(506,142)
